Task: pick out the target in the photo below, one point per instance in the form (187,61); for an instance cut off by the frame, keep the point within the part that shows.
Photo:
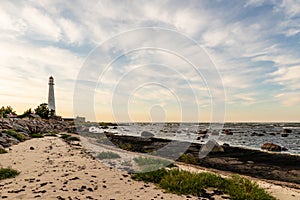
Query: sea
(247,135)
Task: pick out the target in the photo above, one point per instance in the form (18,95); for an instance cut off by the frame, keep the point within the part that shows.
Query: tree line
(42,110)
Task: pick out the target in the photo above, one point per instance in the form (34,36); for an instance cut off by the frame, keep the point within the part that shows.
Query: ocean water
(249,135)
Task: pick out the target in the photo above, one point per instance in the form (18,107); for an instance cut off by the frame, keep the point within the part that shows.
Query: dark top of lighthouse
(51,80)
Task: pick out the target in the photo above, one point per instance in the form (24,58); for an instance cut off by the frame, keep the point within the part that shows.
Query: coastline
(57,170)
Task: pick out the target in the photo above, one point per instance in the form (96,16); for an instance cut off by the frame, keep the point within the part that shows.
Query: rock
(226,145)
(286,130)
(272,134)
(284,135)
(271,147)
(227,132)
(202,132)
(257,134)
(147,134)
(212,146)
(284,149)
(31,148)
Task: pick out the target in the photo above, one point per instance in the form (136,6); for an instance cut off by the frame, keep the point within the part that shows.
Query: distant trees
(5,111)
(26,113)
(43,111)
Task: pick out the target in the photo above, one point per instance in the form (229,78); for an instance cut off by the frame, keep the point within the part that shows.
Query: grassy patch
(150,164)
(8,173)
(108,155)
(188,158)
(2,151)
(126,146)
(36,135)
(14,134)
(184,182)
(51,134)
(73,138)
(65,136)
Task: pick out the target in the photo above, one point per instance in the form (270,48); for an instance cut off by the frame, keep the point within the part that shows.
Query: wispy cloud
(254,44)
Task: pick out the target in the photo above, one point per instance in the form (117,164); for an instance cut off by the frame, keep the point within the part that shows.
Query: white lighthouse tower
(51,99)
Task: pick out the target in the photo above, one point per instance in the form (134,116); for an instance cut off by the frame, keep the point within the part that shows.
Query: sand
(56,170)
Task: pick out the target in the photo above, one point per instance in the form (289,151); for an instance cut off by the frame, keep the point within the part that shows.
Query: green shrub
(152,176)
(126,146)
(108,155)
(184,182)
(51,134)
(151,164)
(188,158)
(73,138)
(14,134)
(65,136)
(241,188)
(8,173)
(36,135)
(2,151)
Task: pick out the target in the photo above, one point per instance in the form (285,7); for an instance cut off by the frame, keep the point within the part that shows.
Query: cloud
(255,46)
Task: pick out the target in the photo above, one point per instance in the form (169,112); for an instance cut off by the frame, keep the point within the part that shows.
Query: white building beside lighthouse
(51,98)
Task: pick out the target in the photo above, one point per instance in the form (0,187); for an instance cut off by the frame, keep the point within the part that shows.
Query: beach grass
(15,134)
(65,136)
(108,155)
(36,135)
(149,164)
(2,151)
(50,134)
(8,173)
(188,183)
(68,137)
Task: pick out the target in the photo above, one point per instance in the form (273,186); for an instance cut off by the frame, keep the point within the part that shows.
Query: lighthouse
(51,99)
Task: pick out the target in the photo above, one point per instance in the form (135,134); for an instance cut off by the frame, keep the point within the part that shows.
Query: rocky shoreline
(14,130)
(255,163)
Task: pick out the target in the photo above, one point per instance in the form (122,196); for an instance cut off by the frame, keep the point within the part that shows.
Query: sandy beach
(55,170)
(52,169)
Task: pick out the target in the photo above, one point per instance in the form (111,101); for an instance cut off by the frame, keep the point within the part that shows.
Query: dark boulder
(286,130)
(271,147)
(227,132)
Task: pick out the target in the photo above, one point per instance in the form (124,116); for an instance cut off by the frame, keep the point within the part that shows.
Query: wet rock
(226,145)
(284,135)
(286,130)
(212,146)
(271,147)
(147,134)
(227,132)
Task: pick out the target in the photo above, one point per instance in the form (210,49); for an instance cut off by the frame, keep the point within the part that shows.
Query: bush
(152,176)
(188,158)
(68,137)
(184,182)
(8,173)
(2,151)
(108,155)
(36,135)
(72,138)
(126,146)
(51,134)
(14,134)
(65,136)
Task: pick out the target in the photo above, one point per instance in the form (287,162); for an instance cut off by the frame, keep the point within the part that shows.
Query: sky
(153,60)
